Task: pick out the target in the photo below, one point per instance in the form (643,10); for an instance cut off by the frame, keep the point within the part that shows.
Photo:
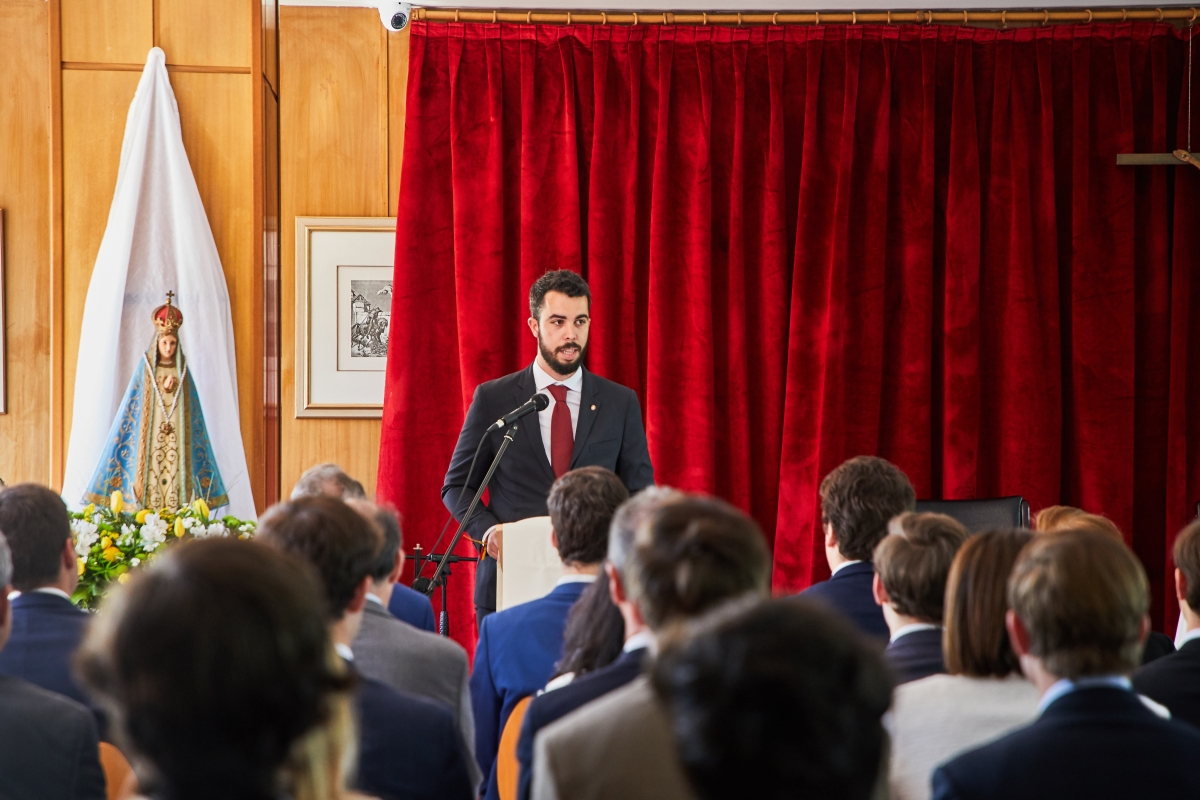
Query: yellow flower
(116,502)
(82,565)
(105,543)
(88,510)
(123,577)
(141,516)
(111,554)
(201,507)
(179,527)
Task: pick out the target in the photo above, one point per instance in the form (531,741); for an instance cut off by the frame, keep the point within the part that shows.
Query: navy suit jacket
(409,605)
(409,748)
(514,657)
(608,433)
(849,592)
(916,655)
(1095,743)
(1174,681)
(554,705)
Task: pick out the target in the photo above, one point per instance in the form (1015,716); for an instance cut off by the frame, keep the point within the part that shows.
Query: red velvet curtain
(807,243)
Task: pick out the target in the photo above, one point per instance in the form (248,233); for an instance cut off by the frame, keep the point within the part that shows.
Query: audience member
(985,695)
(1066,518)
(1078,619)
(399,655)
(554,705)
(773,700)
(1174,680)
(48,742)
(518,647)
(46,626)
(857,501)
(410,747)
(216,665)
(331,480)
(593,637)
(692,554)
(911,565)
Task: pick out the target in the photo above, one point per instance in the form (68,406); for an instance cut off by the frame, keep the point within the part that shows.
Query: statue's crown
(167,318)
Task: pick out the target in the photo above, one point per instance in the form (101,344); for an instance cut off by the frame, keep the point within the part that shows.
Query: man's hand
(492,539)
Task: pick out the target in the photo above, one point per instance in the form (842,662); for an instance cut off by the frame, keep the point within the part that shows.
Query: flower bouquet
(112,540)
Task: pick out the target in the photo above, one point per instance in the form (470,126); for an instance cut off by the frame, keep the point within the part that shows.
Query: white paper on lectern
(531,566)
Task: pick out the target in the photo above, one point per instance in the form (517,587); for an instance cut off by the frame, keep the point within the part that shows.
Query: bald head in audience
(330,480)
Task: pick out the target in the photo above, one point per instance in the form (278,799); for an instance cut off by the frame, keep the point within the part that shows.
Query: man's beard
(561,367)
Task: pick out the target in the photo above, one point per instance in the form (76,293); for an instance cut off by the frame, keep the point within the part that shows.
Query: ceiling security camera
(394,15)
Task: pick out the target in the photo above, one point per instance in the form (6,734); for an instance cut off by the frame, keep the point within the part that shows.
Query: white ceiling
(731,5)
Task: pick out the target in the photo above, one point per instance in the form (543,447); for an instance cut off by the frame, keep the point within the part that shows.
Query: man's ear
(1144,629)
(830,537)
(1017,634)
(553,538)
(397,567)
(615,590)
(533,326)
(68,557)
(360,596)
(880,593)
(1181,586)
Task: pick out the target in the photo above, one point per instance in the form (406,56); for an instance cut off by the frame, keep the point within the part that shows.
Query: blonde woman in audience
(985,695)
(1050,517)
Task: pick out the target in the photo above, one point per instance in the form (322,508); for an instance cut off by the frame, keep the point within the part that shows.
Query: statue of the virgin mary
(158,447)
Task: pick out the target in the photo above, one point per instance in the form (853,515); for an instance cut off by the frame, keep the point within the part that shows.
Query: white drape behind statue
(157,240)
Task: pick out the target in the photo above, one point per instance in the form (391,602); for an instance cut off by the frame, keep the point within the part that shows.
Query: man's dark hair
(214,660)
(693,554)
(775,699)
(1186,554)
(34,520)
(388,521)
(858,498)
(581,505)
(913,560)
(334,538)
(563,281)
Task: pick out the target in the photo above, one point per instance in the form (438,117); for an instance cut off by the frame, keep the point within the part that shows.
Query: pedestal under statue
(158,448)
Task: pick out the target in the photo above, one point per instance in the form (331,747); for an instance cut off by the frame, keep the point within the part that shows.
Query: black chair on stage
(978,515)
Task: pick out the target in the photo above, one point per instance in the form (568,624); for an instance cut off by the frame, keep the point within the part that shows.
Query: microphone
(539,402)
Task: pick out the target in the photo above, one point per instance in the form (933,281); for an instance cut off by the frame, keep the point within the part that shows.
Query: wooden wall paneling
(333,153)
(397,100)
(270,43)
(25,143)
(109,31)
(271,276)
(214,33)
(217,118)
(55,440)
(94,107)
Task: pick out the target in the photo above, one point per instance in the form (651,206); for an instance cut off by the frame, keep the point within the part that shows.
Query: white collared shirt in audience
(936,718)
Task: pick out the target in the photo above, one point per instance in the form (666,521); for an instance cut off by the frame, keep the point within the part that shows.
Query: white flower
(85,536)
(135,561)
(154,532)
(97,518)
(128,529)
(217,528)
(188,522)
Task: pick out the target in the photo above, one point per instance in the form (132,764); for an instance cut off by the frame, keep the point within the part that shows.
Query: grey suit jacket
(618,747)
(49,749)
(418,662)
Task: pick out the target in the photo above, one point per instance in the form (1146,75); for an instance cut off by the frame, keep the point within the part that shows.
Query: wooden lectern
(529,566)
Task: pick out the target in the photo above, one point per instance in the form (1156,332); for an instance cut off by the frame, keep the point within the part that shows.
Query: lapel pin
(593,408)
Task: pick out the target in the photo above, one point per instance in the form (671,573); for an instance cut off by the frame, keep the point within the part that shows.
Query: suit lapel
(583,426)
(531,426)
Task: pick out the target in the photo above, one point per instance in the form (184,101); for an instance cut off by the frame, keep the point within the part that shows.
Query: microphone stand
(447,557)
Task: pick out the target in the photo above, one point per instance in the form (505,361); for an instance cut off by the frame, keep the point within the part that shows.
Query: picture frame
(3,327)
(343,314)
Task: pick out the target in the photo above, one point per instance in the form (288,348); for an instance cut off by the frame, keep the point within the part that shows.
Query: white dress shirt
(574,384)
(904,630)
(843,565)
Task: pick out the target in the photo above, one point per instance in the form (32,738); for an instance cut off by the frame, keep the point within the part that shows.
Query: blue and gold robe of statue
(158,448)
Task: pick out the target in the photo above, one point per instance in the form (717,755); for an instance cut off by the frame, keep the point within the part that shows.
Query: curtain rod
(964,17)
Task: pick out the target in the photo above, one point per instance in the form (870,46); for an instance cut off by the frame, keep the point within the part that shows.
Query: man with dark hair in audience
(407,659)
(556,704)
(775,699)
(46,626)
(1174,680)
(519,646)
(1078,603)
(691,555)
(911,565)
(857,500)
(331,480)
(409,746)
(48,742)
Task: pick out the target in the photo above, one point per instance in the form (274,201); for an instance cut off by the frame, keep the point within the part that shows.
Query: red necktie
(562,437)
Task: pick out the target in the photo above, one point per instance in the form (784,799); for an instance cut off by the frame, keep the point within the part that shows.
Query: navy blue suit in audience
(408,747)
(514,657)
(1095,743)
(1174,681)
(916,655)
(849,592)
(409,605)
(556,704)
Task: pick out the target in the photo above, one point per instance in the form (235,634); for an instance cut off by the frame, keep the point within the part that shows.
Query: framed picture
(3,325)
(343,314)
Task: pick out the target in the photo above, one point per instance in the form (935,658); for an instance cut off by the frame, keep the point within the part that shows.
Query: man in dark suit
(1174,680)
(519,646)
(857,500)
(1078,619)
(48,743)
(46,626)
(911,566)
(590,422)
(409,746)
